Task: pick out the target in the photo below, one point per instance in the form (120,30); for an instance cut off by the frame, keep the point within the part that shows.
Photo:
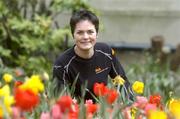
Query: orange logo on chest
(98,69)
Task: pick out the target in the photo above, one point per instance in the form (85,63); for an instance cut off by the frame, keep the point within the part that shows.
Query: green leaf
(4,52)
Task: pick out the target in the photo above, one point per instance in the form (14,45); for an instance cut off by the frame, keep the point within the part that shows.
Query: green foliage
(158,78)
(29,34)
(60,5)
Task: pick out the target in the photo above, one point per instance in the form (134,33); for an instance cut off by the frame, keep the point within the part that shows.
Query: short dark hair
(83,15)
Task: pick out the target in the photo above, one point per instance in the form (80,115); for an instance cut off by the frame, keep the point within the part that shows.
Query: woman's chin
(86,48)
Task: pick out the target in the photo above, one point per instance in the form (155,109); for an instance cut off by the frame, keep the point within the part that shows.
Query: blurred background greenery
(29,34)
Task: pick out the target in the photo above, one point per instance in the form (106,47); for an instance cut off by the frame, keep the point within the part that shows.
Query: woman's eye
(90,32)
(80,32)
(83,32)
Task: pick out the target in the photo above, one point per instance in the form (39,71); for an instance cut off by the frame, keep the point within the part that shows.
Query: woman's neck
(86,54)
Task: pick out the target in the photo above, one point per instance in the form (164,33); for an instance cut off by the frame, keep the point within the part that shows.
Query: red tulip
(26,99)
(111,96)
(74,111)
(91,108)
(17,83)
(72,115)
(155,99)
(99,89)
(65,103)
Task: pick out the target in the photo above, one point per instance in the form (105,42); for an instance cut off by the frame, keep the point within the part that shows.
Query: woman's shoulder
(101,44)
(103,47)
(65,57)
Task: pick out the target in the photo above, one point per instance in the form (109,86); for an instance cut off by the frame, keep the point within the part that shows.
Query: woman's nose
(85,35)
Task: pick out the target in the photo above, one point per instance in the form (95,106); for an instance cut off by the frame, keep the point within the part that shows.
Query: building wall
(136,21)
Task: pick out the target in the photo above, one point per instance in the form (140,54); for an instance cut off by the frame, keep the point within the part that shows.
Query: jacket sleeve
(117,69)
(59,79)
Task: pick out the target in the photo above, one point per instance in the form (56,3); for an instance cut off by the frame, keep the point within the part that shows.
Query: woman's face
(85,35)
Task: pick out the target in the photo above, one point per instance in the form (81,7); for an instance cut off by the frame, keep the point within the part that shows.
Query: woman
(87,62)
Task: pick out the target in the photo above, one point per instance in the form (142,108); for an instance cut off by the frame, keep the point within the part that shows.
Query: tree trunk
(175,61)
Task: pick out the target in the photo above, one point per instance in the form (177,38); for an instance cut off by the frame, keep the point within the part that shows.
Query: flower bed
(28,99)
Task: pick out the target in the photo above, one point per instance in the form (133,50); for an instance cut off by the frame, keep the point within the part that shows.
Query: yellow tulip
(5,91)
(174,108)
(138,87)
(34,83)
(133,112)
(118,80)
(1,112)
(156,114)
(8,101)
(7,77)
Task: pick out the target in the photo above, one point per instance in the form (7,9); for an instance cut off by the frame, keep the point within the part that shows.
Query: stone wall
(134,22)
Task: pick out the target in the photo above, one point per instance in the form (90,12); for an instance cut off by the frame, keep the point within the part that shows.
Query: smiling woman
(87,62)
(85,38)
